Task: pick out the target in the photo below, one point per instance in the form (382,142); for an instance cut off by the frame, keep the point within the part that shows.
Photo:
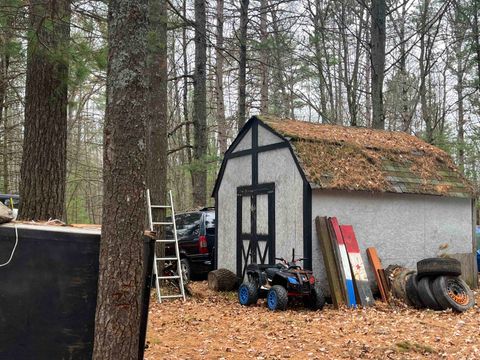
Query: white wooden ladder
(178,276)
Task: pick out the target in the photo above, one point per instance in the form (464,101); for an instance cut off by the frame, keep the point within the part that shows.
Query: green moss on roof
(349,158)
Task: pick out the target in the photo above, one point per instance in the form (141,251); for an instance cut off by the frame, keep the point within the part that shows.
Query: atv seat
(271,271)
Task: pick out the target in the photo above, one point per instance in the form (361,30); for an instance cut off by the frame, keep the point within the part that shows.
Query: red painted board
(342,257)
(358,268)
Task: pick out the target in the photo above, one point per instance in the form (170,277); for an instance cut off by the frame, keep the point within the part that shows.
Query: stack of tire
(436,285)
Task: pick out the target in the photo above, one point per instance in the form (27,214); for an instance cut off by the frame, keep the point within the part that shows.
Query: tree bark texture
(157,145)
(200,134)
(43,168)
(222,125)
(242,66)
(119,299)
(263,58)
(377,56)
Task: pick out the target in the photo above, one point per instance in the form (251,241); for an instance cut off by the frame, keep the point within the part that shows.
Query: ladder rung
(160,206)
(169,277)
(166,241)
(167,259)
(171,296)
(162,223)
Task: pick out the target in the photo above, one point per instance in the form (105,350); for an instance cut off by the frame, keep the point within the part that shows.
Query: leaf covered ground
(214,325)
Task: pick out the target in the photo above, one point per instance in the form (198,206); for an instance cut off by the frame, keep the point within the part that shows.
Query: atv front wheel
(247,294)
(277,298)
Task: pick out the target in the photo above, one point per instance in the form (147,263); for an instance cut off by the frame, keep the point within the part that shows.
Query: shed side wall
(278,166)
(403,228)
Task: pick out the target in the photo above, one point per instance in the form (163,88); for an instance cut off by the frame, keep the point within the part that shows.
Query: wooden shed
(402,196)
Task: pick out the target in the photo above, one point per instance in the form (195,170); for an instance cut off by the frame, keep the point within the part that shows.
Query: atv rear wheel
(316,300)
(247,294)
(277,298)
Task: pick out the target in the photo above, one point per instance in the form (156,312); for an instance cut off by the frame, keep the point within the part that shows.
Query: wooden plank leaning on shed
(378,272)
(358,268)
(342,258)
(329,259)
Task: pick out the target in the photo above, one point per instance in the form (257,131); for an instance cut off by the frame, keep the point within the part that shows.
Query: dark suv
(196,239)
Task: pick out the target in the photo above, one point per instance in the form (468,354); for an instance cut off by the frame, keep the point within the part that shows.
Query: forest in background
(322,61)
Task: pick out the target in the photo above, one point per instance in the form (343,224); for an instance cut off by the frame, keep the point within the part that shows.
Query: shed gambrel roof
(351,158)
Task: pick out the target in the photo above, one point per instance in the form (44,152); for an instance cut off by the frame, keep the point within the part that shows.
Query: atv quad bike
(280,283)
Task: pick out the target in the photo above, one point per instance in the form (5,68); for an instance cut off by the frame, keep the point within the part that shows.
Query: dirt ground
(215,326)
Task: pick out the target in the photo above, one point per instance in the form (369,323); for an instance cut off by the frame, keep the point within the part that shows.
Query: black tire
(186,271)
(277,298)
(411,288)
(426,294)
(452,292)
(247,294)
(316,300)
(439,266)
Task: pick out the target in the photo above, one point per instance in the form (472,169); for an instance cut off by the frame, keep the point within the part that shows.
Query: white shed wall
(245,143)
(278,166)
(266,137)
(238,172)
(403,228)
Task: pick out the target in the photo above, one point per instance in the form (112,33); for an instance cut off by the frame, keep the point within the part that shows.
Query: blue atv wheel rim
(272,300)
(243,295)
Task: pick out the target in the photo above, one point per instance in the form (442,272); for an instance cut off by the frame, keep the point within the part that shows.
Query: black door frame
(253,237)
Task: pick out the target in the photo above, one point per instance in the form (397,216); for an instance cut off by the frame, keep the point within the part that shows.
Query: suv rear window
(210,220)
(187,223)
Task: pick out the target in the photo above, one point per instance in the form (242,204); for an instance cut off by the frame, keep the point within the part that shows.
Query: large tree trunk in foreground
(200,135)
(43,169)
(119,300)
(378,37)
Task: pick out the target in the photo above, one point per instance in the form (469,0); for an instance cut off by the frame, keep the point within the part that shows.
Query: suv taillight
(202,244)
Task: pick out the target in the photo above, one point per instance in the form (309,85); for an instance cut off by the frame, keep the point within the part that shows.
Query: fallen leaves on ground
(213,325)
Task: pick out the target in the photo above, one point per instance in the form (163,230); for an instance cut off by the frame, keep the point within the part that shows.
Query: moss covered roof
(350,158)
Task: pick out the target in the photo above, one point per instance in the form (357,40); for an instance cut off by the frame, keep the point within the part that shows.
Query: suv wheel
(185,266)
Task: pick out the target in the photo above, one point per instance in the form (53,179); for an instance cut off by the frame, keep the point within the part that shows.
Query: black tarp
(48,293)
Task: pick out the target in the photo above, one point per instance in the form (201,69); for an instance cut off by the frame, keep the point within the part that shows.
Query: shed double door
(255,226)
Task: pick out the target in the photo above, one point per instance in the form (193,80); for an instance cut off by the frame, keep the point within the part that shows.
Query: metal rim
(243,295)
(457,293)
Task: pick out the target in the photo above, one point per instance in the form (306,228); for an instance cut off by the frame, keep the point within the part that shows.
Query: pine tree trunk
(119,299)
(4,64)
(242,66)
(378,37)
(43,168)
(200,107)
(222,125)
(157,146)
(263,58)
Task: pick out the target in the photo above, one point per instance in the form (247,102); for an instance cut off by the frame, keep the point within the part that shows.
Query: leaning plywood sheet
(343,261)
(358,268)
(329,261)
(377,269)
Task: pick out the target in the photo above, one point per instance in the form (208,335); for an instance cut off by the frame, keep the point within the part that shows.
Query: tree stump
(222,280)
